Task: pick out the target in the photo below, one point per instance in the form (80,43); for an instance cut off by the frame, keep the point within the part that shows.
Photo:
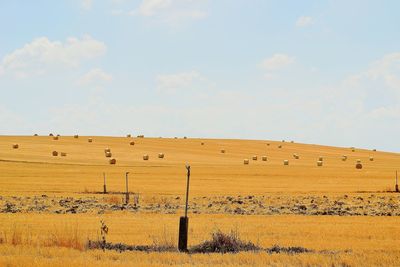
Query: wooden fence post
(127,192)
(104,185)
(184,221)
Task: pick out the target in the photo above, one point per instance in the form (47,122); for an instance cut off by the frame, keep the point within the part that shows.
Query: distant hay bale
(175,137)
(132,143)
(50,134)
(128,135)
(160,155)
(296,156)
(246,161)
(145,157)
(112,161)
(184,137)
(54,153)
(353,149)
(280,146)
(344,158)
(15,146)
(359,166)
(90,140)
(264,158)
(108,154)
(76,136)
(320,158)
(254,157)
(58,135)
(55,137)
(371,158)
(285,162)
(202,143)
(358,160)
(374,149)
(283,141)
(35,135)
(63,154)
(319,163)
(268,144)
(140,136)
(222,150)
(292,141)
(107,150)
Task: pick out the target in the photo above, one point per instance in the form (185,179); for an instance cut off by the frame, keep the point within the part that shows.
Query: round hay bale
(50,134)
(76,136)
(371,158)
(319,163)
(15,146)
(160,155)
(140,136)
(268,144)
(283,141)
(107,150)
(54,153)
(132,143)
(280,146)
(374,149)
(55,137)
(359,161)
(292,141)
(296,156)
(254,157)
(222,150)
(359,166)
(184,137)
(90,140)
(145,157)
(128,135)
(63,154)
(353,149)
(58,135)
(202,143)
(344,158)
(320,158)
(246,161)
(112,161)
(108,154)
(175,137)
(264,158)
(286,162)
(35,135)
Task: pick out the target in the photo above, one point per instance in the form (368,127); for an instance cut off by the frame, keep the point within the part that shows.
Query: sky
(320,72)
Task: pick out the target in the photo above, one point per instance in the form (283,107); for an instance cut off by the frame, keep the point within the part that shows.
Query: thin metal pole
(187,189)
(127,192)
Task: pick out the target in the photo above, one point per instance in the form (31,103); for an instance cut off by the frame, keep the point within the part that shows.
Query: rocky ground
(343,205)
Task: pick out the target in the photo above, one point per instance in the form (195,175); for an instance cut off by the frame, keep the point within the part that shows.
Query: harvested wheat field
(260,213)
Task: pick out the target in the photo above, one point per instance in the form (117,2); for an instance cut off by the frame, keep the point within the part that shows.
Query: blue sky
(324,72)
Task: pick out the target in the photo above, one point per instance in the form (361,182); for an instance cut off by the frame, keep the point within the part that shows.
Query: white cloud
(277,62)
(41,55)
(95,76)
(304,21)
(178,81)
(86,4)
(171,11)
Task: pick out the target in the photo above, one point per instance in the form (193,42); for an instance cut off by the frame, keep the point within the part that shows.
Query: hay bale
(296,156)
(58,135)
(112,161)
(268,144)
(371,158)
(283,141)
(222,151)
(319,163)
(63,154)
(353,149)
(280,146)
(286,162)
(128,135)
(132,143)
(50,134)
(264,158)
(292,141)
(54,153)
(184,137)
(344,158)
(90,140)
(145,157)
(359,166)
(55,137)
(202,143)
(107,150)
(140,136)
(160,155)
(246,161)
(374,149)
(320,158)
(35,135)
(76,136)
(359,161)
(254,157)
(108,154)
(15,146)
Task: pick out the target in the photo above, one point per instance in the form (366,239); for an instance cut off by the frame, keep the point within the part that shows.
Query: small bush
(224,243)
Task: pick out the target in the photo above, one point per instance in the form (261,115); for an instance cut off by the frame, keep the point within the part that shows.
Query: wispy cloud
(95,76)
(304,21)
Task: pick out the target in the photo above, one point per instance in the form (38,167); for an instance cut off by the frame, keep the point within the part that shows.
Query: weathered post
(397,185)
(184,221)
(127,192)
(104,185)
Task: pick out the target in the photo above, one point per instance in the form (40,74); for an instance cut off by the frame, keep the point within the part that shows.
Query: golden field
(43,238)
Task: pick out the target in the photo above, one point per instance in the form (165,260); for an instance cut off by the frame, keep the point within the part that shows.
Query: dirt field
(51,205)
